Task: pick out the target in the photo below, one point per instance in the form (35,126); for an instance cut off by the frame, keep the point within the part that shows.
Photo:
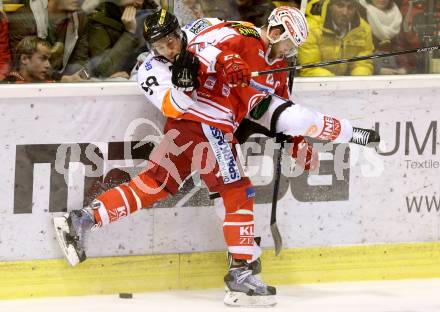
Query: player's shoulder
(153,65)
(245,29)
(196,27)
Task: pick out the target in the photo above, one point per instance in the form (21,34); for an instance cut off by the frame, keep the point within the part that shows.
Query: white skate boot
(70,232)
(244,289)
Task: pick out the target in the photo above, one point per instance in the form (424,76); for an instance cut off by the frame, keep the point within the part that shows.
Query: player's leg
(294,119)
(243,287)
(162,176)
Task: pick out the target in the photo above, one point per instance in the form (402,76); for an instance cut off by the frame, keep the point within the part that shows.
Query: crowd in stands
(81,40)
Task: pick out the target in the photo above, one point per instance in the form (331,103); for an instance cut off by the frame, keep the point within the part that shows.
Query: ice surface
(374,296)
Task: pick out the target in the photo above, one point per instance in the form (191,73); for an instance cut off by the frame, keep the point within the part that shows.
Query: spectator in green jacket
(62,24)
(336,31)
(115,36)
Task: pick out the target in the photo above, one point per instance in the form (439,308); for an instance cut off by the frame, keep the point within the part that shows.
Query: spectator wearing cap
(336,31)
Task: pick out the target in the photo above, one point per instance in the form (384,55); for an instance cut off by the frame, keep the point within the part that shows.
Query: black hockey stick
(346,60)
(280,138)
(276,235)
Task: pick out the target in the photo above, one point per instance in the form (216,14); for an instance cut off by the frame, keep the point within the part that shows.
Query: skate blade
(69,252)
(240,299)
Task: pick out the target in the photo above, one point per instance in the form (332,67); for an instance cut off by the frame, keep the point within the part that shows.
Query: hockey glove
(303,152)
(184,73)
(234,70)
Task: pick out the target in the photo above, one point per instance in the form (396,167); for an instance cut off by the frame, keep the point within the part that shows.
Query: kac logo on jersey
(225,158)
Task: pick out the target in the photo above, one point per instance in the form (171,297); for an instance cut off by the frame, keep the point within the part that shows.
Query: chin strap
(266,56)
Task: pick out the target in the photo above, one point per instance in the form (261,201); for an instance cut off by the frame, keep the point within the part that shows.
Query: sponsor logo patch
(148,65)
(331,129)
(228,167)
(210,82)
(199,25)
(118,213)
(250,192)
(246,30)
(226,90)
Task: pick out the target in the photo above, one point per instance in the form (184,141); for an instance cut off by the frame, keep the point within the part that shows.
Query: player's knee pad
(298,120)
(238,225)
(125,199)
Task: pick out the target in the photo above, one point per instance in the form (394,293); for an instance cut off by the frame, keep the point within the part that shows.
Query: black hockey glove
(185,70)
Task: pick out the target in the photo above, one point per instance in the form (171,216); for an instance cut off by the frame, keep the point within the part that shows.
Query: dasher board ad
(56,153)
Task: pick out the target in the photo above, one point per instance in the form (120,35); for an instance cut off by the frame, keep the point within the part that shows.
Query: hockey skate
(255,266)
(244,289)
(365,137)
(70,231)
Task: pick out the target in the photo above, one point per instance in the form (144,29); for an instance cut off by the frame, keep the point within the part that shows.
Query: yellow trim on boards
(107,275)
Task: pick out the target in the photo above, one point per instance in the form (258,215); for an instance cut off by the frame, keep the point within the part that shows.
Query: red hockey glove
(234,70)
(303,152)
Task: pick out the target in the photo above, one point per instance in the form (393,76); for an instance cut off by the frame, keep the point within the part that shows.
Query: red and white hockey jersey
(214,102)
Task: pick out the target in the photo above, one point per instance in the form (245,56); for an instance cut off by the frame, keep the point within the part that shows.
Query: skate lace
(360,136)
(247,275)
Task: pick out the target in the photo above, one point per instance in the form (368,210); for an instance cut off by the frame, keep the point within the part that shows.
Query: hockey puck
(126,295)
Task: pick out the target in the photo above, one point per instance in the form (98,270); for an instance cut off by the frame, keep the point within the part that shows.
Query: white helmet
(294,23)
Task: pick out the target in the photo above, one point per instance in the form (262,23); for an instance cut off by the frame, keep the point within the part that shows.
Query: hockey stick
(276,235)
(346,60)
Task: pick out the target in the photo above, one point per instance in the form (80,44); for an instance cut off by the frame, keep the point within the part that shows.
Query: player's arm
(154,78)
(222,58)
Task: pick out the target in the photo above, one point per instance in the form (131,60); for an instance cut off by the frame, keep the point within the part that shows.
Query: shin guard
(238,225)
(119,202)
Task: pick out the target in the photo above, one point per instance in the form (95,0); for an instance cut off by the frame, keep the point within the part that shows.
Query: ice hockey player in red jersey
(199,135)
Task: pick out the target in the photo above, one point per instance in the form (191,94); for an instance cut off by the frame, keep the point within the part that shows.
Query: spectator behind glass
(291,3)
(115,36)
(60,23)
(254,11)
(188,11)
(31,61)
(415,17)
(385,20)
(336,31)
(224,9)
(5,54)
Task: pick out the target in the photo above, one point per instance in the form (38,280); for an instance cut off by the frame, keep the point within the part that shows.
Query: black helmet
(158,25)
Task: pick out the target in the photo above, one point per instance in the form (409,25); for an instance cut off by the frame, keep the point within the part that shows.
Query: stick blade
(276,238)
